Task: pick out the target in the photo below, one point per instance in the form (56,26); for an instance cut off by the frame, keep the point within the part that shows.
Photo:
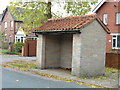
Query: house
(11,27)
(109,13)
(77,43)
(0,31)
(0,21)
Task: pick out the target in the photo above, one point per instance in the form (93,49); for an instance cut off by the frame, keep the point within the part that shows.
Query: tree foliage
(78,8)
(18,47)
(1,36)
(33,14)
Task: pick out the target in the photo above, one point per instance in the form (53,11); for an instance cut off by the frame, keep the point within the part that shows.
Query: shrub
(115,51)
(8,52)
(4,47)
(18,47)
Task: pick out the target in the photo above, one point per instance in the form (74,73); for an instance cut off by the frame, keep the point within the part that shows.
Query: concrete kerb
(54,76)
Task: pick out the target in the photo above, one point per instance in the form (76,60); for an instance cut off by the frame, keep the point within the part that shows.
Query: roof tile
(67,23)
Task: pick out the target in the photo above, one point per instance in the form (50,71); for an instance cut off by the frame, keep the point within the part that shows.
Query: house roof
(98,5)
(0,17)
(69,23)
(18,10)
(101,3)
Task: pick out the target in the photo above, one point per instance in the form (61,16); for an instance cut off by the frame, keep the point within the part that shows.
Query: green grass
(111,70)
(8,52)
(26,65)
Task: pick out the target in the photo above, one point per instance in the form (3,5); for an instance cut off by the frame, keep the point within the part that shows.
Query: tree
(79,7)
(32,14)
(1,35)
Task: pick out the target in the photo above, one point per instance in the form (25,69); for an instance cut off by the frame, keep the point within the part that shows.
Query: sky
(3,4)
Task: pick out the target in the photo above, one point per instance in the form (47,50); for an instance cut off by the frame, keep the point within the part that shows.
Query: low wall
(112,60)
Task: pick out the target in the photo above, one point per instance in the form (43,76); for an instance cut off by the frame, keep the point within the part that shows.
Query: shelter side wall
(52,51)
(76,54)
(40,51)
(93,44)
(66,51)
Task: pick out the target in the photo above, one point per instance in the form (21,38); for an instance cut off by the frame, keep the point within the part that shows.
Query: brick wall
(111,10)
(89,51)
(9,31)
(108,8)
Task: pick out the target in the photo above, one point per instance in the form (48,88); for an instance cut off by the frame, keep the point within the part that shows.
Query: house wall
(66,51)
(9,31)
(89,51)
(108,8)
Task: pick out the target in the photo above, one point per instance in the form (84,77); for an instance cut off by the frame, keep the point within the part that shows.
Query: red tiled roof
(66,23)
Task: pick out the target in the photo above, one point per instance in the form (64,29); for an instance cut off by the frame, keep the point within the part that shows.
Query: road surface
(11,79)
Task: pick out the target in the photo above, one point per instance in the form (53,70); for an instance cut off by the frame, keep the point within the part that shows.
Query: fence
(112,60)
(29,48)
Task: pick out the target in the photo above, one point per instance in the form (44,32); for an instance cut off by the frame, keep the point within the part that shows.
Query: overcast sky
(4,3)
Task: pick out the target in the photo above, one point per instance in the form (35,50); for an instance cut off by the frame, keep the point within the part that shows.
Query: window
(117,18)
(116,41)
(105,18)
(10,39)
(18,40)
(11,24)
(5,37)
(21,39)
(5,25)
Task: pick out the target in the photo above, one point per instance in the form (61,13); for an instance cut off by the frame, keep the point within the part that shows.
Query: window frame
(19,39)
(10,38)
(11,25)
(116,39)
(104,20)
(116,18)
(5,37)
(5,25)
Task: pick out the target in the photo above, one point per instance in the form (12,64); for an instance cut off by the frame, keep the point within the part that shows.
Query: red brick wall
(108,8)
(10,32)
(108,43)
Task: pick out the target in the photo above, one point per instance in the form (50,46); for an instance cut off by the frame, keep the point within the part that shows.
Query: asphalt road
(11,79)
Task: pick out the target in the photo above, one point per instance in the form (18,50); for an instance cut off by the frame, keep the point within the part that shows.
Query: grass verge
(8,52)
(25,65)
(112,70)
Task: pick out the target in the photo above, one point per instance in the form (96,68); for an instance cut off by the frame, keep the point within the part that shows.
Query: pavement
(110,80)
